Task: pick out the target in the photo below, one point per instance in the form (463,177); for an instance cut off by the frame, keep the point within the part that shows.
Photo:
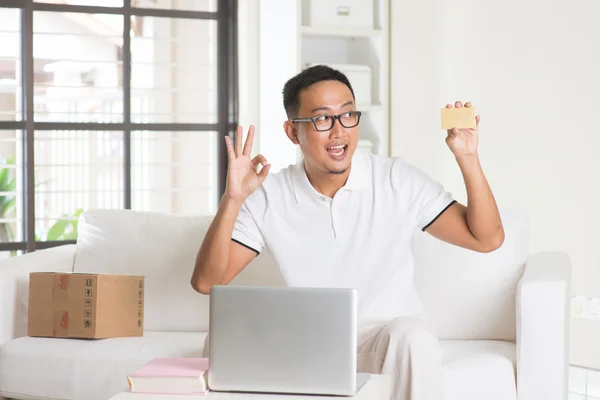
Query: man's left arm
(476,226)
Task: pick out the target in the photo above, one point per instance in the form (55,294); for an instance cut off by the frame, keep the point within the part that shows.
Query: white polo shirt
(359,239)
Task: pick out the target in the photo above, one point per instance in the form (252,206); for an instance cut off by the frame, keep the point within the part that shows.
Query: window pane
(173,73)
(12,253)
(10,64)
(78,67)
(75,171)
(103,3)
(11,187)
(190,5)
(174,172)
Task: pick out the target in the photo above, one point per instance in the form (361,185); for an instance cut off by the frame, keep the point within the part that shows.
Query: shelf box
(360,79)
(350,32)
(338,13)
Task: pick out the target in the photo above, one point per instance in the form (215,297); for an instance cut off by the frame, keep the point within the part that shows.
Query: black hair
(306,78)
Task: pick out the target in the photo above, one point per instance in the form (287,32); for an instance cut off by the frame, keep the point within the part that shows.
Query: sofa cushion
(162,248)
(85,369)
(97,369)
(479,369)
(470,295)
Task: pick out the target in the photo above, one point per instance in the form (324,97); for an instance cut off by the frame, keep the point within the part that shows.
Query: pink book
(170,376)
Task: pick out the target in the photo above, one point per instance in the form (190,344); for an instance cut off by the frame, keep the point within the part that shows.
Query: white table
(377,388)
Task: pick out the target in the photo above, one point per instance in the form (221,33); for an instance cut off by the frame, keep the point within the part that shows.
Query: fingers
(249,141)
(229,145)
(259,159)
(477,119)
(238,141)
(459,104)
(262,175)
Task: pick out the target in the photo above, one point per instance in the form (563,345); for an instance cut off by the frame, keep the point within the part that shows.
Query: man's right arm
(220,259)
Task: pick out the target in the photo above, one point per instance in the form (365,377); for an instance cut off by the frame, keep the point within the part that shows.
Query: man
(340,219)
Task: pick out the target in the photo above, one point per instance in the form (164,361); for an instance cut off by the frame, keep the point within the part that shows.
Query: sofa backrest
(467,295)
(470,295)
(162,248)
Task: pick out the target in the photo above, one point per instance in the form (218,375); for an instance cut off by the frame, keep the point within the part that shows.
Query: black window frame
(227,99)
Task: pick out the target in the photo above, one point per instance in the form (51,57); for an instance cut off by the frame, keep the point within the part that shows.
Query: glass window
(188,5)
(78,67)
(10,64)
(75,171)
(110,128)
(174,70)
(11,187)
(103,3)
(174,172)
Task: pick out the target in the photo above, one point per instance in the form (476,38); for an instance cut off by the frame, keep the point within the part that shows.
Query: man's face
(327,151)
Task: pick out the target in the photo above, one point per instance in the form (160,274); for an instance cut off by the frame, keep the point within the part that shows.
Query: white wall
(278,61)
(531,70)
(248,70)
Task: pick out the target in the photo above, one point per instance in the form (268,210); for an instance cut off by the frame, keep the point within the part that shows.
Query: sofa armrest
(14,285)
(543,315)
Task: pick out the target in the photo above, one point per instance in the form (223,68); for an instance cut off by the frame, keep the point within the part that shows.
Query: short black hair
(306,78)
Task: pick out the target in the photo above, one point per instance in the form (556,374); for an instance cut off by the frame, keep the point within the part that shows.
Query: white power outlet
(593,308)
(585,307)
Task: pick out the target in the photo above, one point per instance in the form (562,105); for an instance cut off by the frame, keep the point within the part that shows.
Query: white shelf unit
(356,46)
(339,31)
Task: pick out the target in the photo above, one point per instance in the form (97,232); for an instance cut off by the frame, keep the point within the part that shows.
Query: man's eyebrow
(348,103)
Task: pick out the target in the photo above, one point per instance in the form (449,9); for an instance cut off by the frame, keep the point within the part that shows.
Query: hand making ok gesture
(243,177)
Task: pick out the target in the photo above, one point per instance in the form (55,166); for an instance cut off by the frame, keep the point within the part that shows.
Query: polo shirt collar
(357,180)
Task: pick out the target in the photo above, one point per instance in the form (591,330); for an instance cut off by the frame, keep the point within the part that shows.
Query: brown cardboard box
(92,306)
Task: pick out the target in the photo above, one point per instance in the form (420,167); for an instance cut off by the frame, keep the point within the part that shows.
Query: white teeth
(338,153)
(340,150)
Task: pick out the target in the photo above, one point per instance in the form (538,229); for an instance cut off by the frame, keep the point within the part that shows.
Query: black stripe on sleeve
(246,246)
(437,216)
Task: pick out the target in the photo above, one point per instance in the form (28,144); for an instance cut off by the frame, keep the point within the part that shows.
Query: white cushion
(85,369)
(479,369)
(470,295)
(162,248)
(97,369)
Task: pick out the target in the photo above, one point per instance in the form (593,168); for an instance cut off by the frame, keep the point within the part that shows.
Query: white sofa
(502,317)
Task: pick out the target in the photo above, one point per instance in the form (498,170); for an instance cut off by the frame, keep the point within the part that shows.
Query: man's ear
(291,131)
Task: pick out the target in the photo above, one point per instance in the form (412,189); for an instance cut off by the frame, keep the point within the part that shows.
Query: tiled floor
(584,384)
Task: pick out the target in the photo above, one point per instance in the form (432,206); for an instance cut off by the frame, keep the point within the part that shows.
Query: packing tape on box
(60,293)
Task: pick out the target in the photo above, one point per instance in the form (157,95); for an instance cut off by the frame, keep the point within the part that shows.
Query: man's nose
(337,129)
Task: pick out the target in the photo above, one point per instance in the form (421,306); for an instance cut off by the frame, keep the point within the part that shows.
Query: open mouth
(337,152)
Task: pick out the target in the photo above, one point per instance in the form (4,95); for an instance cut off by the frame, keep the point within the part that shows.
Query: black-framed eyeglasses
(325,122)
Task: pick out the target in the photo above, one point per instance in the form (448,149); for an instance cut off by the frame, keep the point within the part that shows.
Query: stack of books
(170,376)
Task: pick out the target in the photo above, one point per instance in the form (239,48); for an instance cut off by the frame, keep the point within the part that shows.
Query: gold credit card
(461,117)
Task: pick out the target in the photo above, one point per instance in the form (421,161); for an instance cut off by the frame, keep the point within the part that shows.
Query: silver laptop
(283,340)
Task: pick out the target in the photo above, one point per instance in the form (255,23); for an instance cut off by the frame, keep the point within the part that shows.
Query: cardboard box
(90,306)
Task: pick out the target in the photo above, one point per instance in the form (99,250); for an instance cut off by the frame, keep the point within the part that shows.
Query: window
(111,104)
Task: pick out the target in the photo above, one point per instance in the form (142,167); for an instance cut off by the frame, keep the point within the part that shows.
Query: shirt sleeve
(426,198)
(246,230)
